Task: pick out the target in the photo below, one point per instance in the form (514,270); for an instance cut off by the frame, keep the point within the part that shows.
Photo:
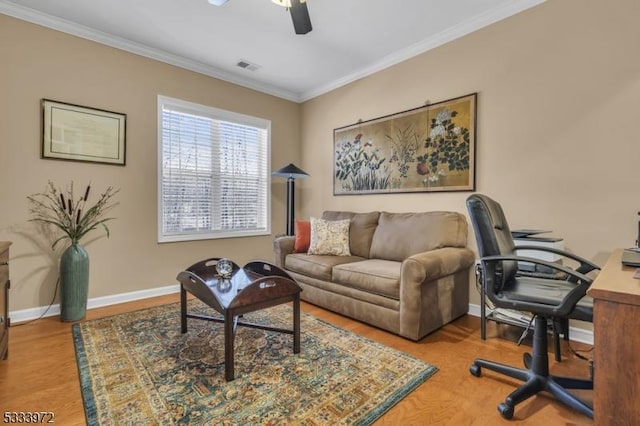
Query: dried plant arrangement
(74,216)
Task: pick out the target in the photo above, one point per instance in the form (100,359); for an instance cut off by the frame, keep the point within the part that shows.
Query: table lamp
(291,172)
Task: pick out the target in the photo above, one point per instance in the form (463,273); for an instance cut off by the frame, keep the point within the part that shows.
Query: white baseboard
(97,302)
(575,334)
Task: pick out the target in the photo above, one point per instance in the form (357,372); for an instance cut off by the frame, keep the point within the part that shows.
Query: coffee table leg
(228,347)
(296,324)
(183,309)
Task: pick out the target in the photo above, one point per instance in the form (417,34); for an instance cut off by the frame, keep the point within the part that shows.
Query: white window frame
(221,115)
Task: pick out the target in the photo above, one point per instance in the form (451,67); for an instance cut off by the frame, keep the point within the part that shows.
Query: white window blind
(213,172)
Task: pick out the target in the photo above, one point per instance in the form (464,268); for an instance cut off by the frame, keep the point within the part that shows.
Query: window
(213,174)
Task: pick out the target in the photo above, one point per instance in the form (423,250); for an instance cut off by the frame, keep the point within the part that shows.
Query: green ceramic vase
(74,283)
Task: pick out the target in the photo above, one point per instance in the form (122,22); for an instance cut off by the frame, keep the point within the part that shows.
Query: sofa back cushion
(400,235)
(361,230)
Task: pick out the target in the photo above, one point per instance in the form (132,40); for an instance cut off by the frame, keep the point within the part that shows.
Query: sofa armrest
(434,289)
(282,246)
(435,264)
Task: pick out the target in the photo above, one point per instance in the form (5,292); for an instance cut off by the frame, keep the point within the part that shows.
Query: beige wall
(40,63)
(558,101)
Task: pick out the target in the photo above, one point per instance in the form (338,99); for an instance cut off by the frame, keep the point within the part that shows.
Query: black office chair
(547,299)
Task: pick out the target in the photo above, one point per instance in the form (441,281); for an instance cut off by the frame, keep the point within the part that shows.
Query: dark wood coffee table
(258,285)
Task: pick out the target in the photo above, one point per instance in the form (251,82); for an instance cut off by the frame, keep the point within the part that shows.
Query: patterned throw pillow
(329,237)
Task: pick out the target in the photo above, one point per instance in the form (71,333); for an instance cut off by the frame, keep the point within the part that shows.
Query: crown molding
(450,34)
(55,23)
(460,30)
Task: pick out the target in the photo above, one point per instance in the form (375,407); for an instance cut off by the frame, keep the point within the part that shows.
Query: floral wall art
(425,149)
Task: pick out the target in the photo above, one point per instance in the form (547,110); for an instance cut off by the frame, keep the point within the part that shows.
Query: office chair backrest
(493,237)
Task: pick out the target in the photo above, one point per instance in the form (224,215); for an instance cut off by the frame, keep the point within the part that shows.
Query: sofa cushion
(316,266)
(303,236)
(400,235)
(329,237)
(361,230)
(373,275)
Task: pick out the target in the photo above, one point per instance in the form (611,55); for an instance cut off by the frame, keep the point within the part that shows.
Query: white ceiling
(350,38)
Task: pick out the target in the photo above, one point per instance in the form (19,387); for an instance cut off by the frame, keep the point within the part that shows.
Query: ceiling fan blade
(300,17)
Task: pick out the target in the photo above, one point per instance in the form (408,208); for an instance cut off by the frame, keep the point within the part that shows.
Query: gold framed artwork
(78,133)
(425,149)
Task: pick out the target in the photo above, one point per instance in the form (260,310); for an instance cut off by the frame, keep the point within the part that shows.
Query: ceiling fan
(297,8)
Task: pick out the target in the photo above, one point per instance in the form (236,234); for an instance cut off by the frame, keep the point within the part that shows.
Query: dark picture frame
(78,133)
(425,149)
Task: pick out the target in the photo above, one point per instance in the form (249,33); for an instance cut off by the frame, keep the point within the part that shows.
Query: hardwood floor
(41,374)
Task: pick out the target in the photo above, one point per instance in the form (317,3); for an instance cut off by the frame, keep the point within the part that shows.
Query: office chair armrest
(585,265)
(578,280)
(552,265)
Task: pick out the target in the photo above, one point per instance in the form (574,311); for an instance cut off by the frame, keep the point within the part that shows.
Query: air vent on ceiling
(247,65)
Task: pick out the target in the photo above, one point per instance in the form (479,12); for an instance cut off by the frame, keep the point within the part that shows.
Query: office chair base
(506,411)
(536,377)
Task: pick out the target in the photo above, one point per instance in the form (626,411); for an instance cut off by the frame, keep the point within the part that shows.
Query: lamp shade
(291,171)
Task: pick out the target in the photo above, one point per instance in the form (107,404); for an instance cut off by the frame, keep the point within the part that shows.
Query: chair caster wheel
(526,359)
(506,411)
(475,370)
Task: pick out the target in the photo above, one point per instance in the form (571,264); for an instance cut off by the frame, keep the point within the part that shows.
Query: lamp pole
(291,172)
(291,195)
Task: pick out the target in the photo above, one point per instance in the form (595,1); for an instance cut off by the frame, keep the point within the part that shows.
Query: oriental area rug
(137,368)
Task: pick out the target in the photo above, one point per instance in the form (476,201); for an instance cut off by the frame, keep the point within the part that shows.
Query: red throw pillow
(303,236)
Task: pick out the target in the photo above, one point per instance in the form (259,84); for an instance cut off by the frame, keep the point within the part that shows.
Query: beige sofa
(408,273)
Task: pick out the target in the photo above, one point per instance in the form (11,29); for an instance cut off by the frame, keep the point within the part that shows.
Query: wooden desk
(616,317)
